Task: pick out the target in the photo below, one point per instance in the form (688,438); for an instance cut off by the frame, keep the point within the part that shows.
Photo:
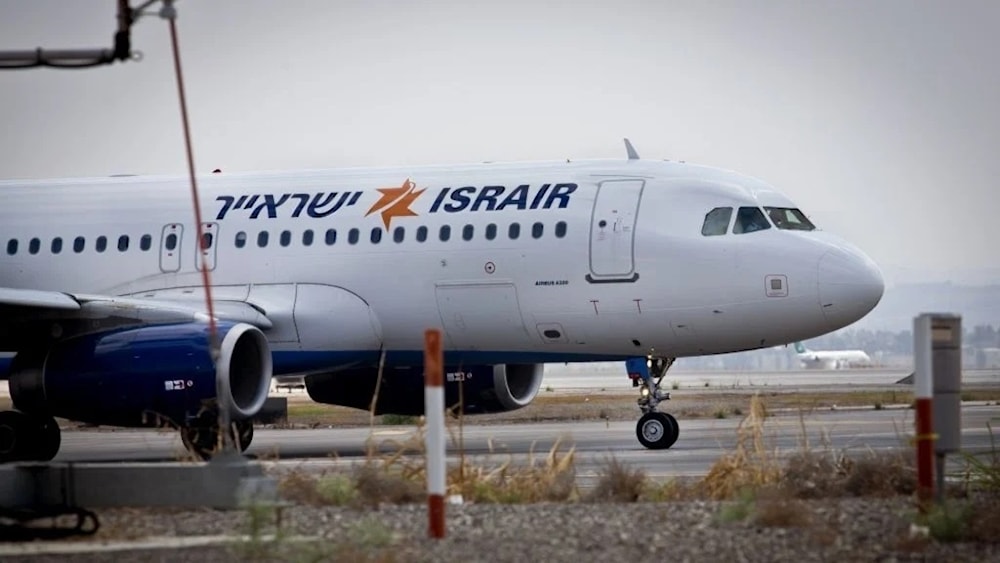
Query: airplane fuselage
(530,262)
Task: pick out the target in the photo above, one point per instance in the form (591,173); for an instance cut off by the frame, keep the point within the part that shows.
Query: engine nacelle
(141,376)
(485,389)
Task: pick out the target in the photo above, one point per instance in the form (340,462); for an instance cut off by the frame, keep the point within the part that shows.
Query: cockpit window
(789,219)
(750,219)
(716,221)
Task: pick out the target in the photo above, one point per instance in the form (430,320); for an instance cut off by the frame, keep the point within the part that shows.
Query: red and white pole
(923,383)
(434,411)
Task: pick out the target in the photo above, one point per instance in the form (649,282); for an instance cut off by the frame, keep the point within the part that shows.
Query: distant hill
(978,305)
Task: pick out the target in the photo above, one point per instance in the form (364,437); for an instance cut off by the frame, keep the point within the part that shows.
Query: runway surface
(701,442)
(605,375)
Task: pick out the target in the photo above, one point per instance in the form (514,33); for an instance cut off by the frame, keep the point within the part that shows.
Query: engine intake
(141,376)
(485,389)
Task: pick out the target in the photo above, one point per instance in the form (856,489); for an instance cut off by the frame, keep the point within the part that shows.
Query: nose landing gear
(655,430)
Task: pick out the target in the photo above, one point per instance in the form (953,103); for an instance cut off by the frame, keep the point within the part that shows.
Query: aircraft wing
(23,312)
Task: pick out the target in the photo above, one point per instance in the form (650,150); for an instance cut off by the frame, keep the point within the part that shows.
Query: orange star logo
(395,202)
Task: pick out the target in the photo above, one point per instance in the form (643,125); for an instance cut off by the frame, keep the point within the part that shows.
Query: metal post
(924,391)
(434,409)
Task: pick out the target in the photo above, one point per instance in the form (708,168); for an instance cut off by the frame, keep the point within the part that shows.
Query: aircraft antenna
(630,150)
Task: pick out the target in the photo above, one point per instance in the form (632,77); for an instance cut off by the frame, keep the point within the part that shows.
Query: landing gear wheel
(657,430)
(202,440)
(47,438)
(25,437)
(244,434)
(14,428)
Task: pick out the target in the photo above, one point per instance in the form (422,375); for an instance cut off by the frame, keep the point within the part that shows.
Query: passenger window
(262,239)
(123,243)
(101,244)
(34,246)
(491,231)
(514,231)
(286,238)
(78,244)
(789,219)
(398,234)
(206,241)
(560,229)
(56,245)
(331,236)
(12,246)
(241,239)
(467,232)
(353,235)
(750,219)
(146,242)
(171,244)
(445,233)
(376,235)
(421,234)
(307,237)
(537,229)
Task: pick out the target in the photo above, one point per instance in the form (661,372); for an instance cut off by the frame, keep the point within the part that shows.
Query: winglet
(632,155)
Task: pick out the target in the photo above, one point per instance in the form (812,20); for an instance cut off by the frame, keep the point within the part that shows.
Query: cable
(170,14)
(15,524)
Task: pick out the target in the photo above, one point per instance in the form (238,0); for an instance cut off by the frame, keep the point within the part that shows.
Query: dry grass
(773,509)
(884,474)
(551,478)
(399,477)
(751,465)
(619,483)
(809,475)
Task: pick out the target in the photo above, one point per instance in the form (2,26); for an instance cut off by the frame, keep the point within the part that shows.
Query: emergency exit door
(612,231)
(170,247)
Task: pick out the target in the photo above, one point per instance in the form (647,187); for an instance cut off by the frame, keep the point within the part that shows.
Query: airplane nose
(850,285)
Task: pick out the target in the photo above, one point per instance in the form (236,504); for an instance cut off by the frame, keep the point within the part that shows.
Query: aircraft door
(612,231)
(205,257)
(170,247)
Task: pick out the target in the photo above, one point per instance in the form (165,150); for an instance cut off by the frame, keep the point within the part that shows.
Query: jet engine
(479,389)
(145,376)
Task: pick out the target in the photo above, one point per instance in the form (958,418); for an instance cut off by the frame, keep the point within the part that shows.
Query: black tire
(14,441)
(202,439)
(657,430)
(244,434)
(47,438)
(675,430)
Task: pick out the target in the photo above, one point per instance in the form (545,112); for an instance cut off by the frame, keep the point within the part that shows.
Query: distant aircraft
(831,359)
(332,274)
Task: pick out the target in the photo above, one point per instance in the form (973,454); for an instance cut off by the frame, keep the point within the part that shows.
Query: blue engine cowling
(485,389)
(146,375)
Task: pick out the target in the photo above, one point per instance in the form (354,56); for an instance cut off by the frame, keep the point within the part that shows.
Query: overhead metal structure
(86,58)
(29,491)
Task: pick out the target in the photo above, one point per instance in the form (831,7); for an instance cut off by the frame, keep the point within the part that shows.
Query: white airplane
(335,273)
(831,359)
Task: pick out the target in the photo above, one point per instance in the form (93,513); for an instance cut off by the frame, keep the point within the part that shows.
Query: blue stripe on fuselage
(289,362)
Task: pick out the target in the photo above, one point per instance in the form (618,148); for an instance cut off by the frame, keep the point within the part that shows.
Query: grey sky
(879,119)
